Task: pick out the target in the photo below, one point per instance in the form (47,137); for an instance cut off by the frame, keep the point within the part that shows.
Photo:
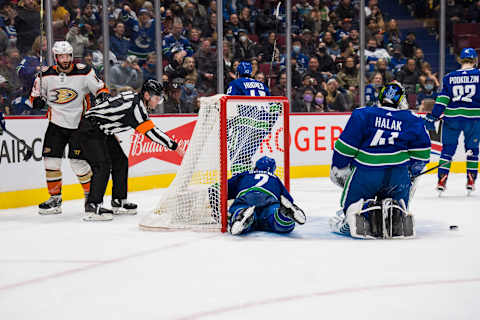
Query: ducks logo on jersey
(64,95)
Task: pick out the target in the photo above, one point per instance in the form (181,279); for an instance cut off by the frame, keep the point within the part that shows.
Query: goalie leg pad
(396,220)
(358,218)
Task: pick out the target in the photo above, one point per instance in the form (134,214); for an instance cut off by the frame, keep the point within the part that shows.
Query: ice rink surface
(59,267)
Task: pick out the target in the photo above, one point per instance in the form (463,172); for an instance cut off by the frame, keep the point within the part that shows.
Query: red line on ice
(258,303)
(99,264)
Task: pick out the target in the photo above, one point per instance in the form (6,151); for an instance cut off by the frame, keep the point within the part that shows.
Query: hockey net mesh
(254,129)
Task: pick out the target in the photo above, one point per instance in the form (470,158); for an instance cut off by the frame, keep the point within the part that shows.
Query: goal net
(231,133)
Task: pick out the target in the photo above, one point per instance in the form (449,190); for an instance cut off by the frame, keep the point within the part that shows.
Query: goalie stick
(29,153)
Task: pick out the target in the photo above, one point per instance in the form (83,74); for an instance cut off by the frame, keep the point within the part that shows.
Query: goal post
(231,134)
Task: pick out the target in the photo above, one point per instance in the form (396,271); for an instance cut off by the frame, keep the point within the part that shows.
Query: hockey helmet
(393,95)
(62,47)
(266,164)
(468,53)
(153,87)
(244,68)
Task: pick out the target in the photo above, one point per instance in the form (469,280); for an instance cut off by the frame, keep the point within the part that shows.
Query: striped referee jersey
(126,111)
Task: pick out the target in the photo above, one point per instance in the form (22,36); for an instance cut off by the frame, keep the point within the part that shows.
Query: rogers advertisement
(312,137)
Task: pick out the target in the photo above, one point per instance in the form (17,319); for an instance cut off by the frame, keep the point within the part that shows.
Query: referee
(104,153)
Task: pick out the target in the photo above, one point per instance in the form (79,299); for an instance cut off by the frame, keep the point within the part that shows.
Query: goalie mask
(266,164)
(63,54)
(393,95)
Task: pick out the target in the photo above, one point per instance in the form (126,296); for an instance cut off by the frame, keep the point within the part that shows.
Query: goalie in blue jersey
(261,201)
(459,103)
(245,85)
(375,158)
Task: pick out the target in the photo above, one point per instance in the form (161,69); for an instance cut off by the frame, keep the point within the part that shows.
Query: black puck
(453,227)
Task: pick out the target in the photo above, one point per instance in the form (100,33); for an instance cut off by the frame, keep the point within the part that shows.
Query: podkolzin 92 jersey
(460,96)
(67,93)
(382,137)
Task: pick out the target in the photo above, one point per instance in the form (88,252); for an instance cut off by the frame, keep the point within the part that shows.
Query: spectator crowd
(325,49)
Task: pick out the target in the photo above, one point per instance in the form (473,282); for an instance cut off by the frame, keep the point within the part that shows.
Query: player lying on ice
(261,201)
(375,158)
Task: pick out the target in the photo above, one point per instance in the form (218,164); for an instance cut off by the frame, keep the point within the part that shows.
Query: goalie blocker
(375,219)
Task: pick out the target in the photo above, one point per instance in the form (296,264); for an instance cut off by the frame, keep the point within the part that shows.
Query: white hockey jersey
(67,93)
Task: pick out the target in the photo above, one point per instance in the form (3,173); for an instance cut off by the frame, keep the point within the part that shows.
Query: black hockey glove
(101,98)
(39,102)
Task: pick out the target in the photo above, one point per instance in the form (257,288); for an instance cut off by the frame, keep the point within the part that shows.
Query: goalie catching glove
(340,176)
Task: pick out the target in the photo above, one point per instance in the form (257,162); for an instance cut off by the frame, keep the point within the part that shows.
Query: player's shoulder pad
(361,112)
(80,68)
(49,70)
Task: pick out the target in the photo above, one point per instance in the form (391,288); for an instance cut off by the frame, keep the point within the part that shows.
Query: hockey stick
(277,12)
(41,45)
(468,153)
(29,153)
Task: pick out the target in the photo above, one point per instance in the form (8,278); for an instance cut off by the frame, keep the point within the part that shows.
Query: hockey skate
(442,184)
(242,220)
(470,184)
(95,212)
(122,206)
(292,211)
(51,206)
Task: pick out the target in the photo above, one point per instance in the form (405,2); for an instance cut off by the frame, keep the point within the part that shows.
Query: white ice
(59,267)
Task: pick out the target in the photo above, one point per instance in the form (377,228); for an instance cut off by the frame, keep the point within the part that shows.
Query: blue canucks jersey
(247,87)
(460,96)
(142,40)
(264,182)
(382,137)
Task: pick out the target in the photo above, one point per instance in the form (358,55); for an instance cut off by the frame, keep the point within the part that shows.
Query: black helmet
(153,87)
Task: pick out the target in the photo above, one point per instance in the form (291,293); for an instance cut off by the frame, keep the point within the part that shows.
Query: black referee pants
(104,154)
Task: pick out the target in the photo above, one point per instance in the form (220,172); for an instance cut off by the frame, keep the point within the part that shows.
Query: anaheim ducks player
(65,89)
(103,151)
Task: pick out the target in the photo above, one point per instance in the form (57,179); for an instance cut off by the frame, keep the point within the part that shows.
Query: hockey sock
(85,182)
(444,168)
(54,181)
(472,166)
(283,223)
(83,172)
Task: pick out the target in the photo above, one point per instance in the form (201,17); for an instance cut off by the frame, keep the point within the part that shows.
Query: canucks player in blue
(245,137)
(245,85)
(374,160)
(261,201)
(459,103)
